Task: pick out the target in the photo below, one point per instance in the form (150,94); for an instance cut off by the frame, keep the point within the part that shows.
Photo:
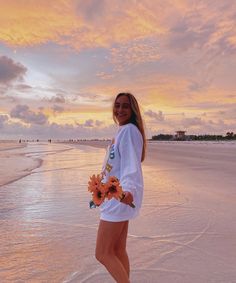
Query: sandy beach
(184,233)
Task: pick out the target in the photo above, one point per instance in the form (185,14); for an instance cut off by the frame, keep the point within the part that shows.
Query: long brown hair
(136,117)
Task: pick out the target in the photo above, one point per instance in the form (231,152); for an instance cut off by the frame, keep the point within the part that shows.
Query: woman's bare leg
(108,236)
(120,248)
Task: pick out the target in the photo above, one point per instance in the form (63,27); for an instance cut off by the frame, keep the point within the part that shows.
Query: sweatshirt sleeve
(130,149)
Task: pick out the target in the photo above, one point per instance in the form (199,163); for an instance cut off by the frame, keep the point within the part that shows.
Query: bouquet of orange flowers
(101,191)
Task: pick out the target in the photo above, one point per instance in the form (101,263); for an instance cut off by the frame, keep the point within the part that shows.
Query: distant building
(180,135)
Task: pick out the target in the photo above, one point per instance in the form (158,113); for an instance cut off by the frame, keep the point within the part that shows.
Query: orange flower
(94,183)
(96,187)
(98,196)
(113,180)
(113,188)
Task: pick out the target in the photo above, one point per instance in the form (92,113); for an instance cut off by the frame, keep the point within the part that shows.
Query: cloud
(23,113)
(194,125)
(185,25)
(29,24)
(78,24)
(3,119)
(90,123)
(156,116)
(10,70)
(189,122)
(57,109)
(206,34)
(205,26)
(92,10)
(17,130)
(135,52)
(185,35)
(59,98)
(217,127)
(23,87)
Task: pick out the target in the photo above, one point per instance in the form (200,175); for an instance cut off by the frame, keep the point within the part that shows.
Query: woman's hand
(128,198)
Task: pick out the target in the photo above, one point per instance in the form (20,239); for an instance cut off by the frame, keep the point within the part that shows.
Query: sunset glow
(63,62)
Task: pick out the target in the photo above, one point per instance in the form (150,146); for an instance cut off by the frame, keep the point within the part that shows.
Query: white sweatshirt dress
(123,160)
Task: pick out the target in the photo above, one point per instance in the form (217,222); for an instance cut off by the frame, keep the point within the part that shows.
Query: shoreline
(15,164)
(93,143)
(20,174)
(105,143)
(9,145)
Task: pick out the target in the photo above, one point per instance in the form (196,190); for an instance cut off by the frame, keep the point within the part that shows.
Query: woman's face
(122,110)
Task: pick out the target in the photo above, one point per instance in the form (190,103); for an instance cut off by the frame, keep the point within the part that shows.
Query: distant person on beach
(123,160)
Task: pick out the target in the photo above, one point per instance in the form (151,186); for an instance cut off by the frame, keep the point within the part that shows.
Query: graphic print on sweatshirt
(111,155)
(112,151)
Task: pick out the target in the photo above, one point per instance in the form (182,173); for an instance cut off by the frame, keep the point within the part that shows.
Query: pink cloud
(23,113)
(10,70)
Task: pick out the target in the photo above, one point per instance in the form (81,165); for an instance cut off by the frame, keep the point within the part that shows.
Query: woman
(125,155)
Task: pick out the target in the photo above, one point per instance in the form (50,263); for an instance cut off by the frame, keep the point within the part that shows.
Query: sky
(62,62)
